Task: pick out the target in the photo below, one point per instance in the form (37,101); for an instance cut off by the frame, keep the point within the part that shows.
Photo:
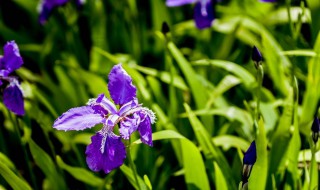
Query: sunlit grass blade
(314,173)
(194,168)
(14,181)
(165,123)
(198,90)
(280,16)
(231,113)
(6,161)
(147,182)
(98,29)
(44,100)
(275,63)
(129,174)
(312,95)
(281,137)
(270,114)
(300,52)
(292,156)
(163,76)
(45,163)
(157,91)
(258,176)
(80,174)
(211,152)
(314,6)
(162,135)
(96,84)
(245,76)
(221,183)
(224,85)
(229,141)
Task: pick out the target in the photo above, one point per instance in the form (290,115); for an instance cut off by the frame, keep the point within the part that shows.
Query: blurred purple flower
(9,62)
(47,6)
(268,1)
(203,11)
(106,151)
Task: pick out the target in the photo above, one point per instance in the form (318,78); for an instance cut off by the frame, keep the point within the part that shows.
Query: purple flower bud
(165,28)
(256,57)
(249,158)
(315,128)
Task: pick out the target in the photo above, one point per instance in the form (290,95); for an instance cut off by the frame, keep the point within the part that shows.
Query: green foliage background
(200,83)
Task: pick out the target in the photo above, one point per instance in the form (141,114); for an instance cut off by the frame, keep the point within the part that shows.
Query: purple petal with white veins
(120,86)
(4,73)
(203,14)
(13,99)
(126,108)
(106,103)
(129,125)
(112,157)
(173,3)
(112,120)
(102,105)
(1,64)
(78,118)
(11,57)
(145,129)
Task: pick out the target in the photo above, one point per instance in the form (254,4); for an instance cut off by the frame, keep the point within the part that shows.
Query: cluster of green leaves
(200,83)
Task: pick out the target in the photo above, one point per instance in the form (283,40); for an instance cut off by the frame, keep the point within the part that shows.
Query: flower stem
(259,80)
(26,156)
(132,165)
(313,165)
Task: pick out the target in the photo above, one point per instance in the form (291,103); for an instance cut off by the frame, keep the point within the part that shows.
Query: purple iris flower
(46,7)
(203,11)
(106,151)
(9,62)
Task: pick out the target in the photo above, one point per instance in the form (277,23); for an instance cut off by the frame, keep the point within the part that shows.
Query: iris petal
(203,14)
(13,99)
(11,57)
(112,157)
(120,85)
(173,3)
(102,105)
(46,8)
(128,126)
(270,1)
(78,119)
(145,129)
